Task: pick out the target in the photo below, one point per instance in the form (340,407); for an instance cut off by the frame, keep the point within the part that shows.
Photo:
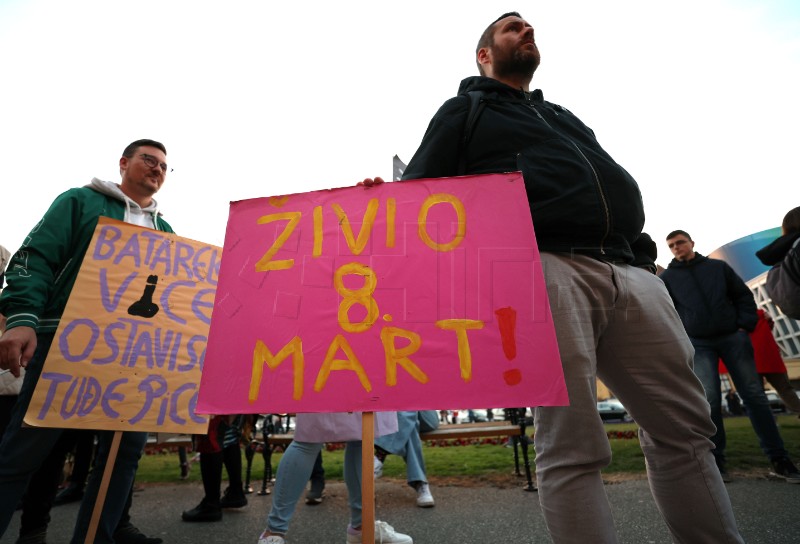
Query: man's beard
(519,63)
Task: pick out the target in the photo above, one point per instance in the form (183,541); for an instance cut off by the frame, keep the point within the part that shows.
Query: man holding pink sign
(613,318)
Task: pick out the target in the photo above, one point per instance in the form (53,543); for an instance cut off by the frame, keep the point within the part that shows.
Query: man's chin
(518,70)
(524,63)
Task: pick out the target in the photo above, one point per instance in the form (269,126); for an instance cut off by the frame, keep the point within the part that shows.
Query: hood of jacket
(774,253)
(483,83)
(495,89)
(676,264)
(134,213)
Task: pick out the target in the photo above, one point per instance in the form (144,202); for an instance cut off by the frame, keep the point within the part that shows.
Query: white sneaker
(274,539)
(384,534)
(377,467)
(424,497)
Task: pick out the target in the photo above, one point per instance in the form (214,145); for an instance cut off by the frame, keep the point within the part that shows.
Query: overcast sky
(697,99)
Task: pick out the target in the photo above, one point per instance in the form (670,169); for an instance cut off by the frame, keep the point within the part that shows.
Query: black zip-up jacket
(581,200)
(711,299)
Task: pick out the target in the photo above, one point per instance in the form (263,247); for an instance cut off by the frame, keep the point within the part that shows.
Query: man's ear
(484,57)
(123,164)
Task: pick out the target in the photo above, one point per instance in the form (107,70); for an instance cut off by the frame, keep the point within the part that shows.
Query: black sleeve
(645,252)
(743,300)
(437,155)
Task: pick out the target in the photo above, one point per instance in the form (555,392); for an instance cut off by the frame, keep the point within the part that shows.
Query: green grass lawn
(495,462)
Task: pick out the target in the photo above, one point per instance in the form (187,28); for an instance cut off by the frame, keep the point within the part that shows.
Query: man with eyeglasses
(40,277)
(718,311)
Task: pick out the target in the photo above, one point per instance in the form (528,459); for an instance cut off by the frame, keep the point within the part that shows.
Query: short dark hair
(675,233)
(791,221)
(487,38)
(134,146)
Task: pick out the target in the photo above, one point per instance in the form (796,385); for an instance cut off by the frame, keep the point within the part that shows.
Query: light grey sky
(697,99)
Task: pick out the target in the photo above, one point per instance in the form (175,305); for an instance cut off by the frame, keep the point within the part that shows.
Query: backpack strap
(476,105)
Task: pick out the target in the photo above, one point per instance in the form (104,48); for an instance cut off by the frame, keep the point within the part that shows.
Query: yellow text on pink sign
(416,295)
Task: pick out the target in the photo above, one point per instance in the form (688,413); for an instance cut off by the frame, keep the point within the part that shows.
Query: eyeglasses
(678,243)
(152,162)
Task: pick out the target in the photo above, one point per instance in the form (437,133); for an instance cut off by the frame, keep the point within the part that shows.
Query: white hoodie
(134,214)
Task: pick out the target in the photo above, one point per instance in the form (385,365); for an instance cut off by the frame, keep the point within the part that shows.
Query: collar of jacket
(497,89)
(686,264)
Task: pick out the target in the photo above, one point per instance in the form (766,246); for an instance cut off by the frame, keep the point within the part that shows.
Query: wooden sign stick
(367,477)
(101,493)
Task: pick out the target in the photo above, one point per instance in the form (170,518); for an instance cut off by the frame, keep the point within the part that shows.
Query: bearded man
(613,317)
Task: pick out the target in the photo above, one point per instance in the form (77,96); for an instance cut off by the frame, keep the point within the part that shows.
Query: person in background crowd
(81,443)
(311,432)
(718,311)
(9,384)
(407,444)
(220,446)
(769,363)
(734,403)
(783,255)
(316,482)
(183,460)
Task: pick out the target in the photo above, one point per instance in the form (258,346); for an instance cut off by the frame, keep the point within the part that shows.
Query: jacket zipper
(603,200)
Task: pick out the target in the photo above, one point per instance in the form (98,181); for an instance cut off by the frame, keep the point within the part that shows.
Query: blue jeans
(407,444)
(293,474)
(736,351)
(23,450)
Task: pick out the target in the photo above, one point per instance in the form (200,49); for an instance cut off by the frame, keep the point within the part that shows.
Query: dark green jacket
(41,274)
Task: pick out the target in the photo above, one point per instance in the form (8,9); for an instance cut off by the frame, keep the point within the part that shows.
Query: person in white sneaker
(384,534)
(407,444)
(294,470)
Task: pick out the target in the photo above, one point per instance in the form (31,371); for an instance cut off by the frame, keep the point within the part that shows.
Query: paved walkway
(767,512)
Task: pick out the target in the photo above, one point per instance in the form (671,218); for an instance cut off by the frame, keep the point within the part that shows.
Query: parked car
(775,401)
(476,416)
(612,409)
(481,415)
(471,416)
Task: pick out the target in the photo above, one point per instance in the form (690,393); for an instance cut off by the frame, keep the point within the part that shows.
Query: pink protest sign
(424,294)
